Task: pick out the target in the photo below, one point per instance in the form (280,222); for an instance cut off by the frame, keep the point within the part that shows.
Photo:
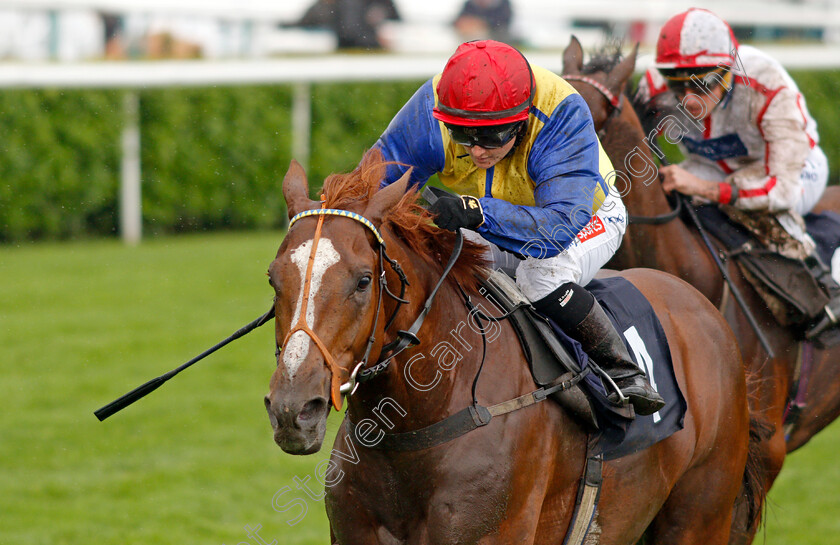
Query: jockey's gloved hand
(453,211)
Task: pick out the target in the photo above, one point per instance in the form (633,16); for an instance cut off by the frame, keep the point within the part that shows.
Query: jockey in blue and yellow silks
(554,176)
(518,144)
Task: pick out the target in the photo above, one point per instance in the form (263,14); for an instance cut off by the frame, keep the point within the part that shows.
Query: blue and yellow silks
(536,199)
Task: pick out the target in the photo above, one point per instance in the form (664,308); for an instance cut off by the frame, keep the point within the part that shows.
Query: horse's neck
(627,149)
(671,247)
(424,382)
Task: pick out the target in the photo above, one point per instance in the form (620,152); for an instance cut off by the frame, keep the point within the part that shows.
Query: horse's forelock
(407,220)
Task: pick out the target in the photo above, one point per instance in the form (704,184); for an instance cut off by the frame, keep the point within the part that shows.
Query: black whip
(149,387)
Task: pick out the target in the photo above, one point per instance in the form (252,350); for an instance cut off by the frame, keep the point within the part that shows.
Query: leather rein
(344,383)
(616,103)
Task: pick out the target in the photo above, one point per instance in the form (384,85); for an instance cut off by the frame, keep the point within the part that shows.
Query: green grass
(194,462)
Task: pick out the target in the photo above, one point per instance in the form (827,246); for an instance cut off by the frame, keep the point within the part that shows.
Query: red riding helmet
(484,83)
(693,39)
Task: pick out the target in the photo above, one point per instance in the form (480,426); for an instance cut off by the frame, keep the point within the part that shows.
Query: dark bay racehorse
(676,248)
(515,479)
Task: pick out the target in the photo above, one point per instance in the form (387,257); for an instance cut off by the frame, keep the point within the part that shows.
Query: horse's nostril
(312,409)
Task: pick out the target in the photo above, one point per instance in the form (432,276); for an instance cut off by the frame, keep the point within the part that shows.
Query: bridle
(615,101)
(342,381)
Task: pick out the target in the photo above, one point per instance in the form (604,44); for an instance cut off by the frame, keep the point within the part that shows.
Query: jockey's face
(486,158)
(699,92)
(699,103)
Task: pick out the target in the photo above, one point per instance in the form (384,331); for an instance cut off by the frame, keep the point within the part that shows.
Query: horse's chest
(418,504)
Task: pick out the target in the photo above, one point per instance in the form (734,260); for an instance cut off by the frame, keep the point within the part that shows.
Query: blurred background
(142,145)
(165,116)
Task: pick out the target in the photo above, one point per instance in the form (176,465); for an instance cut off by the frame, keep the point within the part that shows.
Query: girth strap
(586,503)
(462,422)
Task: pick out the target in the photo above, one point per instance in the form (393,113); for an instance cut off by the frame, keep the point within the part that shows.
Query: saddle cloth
(633,317)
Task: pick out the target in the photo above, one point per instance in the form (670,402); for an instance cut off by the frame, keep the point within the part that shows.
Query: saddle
(553,356)
(549,361)
(787,286)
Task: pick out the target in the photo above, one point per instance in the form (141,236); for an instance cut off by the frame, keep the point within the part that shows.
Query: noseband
(614,101)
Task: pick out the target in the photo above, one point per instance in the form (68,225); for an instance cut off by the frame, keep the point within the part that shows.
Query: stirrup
(641,395)
(827,321)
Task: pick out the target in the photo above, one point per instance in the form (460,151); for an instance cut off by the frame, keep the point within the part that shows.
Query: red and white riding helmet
(485,82)
(693,39)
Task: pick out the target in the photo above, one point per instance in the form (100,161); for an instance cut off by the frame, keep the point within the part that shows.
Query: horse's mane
(604,59)
(623,135)
(407,220)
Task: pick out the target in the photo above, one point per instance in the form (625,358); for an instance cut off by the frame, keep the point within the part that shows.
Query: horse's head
(601,81)
(325,279)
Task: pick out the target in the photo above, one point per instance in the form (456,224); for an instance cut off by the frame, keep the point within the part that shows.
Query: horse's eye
(364,283)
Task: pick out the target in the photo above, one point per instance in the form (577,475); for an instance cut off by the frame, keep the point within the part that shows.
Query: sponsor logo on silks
(727,146)
(566,297)
(594,228)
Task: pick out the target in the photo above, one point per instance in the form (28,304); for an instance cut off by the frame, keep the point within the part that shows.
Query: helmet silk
(693,39)
(484,83)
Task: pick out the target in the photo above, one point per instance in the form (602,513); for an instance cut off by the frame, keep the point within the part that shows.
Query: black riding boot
(825,331)
(577,312)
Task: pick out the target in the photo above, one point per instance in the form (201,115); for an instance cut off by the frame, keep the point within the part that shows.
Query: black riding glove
(453,211)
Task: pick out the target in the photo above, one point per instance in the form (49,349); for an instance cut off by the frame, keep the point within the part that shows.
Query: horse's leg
(712,449)
(823,393)
(699,509)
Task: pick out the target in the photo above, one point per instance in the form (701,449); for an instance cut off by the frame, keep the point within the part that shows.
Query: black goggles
(488,136)
(682,81)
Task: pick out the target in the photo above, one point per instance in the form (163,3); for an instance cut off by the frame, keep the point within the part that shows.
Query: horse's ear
(573,57)
(385,199)
(296,190)
(619,75)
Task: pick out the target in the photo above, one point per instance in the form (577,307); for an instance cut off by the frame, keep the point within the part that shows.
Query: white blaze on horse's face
(297,347)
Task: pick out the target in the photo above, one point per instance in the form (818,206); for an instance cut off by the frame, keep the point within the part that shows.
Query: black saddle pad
(729,233)
(824,228)
(634,319)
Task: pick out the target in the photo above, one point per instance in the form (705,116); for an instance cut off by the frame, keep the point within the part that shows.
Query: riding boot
(825,331)
(582,318)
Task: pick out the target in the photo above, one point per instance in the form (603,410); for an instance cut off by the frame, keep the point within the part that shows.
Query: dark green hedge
(59,163)
(211,158)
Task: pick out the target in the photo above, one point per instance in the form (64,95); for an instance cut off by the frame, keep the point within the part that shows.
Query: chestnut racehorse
(515,479)
(677,248)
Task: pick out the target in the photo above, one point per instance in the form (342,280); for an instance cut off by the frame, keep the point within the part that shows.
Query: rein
(475,415)
(661,218)
(449,428)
